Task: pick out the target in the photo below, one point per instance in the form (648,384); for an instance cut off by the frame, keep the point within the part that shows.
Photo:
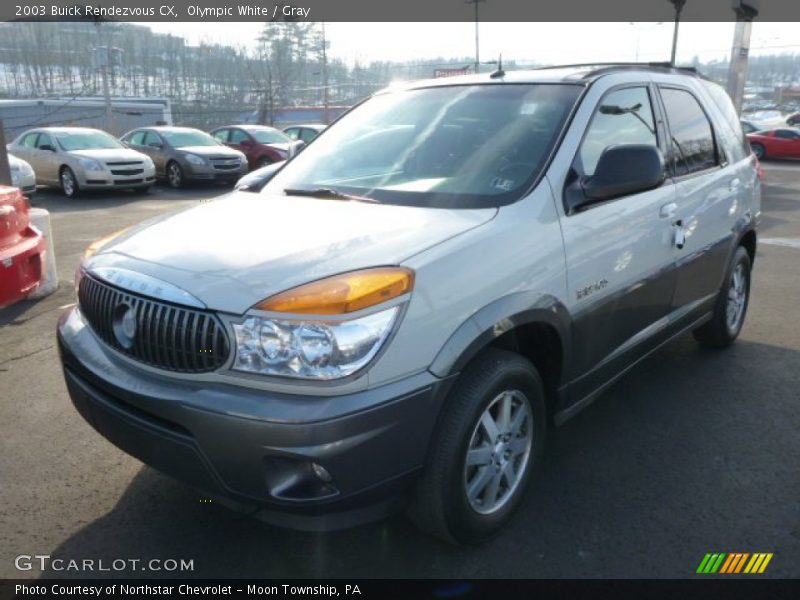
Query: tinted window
(307,135)
(137,139)
(460,146)
(740,146)
(44,140)
(221,135)
(293,132)
(151,139)
(692,147)
(238,136)
(29,140)
(623,117)
(786,134)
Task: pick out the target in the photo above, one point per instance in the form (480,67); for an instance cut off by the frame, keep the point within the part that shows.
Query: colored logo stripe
(734,562)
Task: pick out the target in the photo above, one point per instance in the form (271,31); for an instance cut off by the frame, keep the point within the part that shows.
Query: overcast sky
(540,42)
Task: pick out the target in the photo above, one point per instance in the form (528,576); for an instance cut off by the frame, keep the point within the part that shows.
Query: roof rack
(610,66)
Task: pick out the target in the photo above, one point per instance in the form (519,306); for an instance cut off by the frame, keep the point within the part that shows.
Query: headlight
(320,347)
(194,159)
(310,349)
(148,163)
(90,164)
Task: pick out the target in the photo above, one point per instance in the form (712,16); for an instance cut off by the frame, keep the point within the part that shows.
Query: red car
(261,144)
(776,143)
(22,248)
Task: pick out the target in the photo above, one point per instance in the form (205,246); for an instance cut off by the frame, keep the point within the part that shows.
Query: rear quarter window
(734,138)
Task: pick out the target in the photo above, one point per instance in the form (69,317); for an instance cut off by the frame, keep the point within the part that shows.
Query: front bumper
(372,443)
(209,172)
(106,179)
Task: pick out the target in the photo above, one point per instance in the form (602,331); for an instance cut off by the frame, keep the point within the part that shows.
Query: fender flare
(496,319)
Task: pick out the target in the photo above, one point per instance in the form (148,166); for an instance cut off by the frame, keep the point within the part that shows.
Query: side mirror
(622,170)
(47,147)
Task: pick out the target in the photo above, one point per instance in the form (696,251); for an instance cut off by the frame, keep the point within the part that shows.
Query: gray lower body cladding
(263,466)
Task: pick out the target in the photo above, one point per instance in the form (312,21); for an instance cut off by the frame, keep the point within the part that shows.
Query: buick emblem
(125,325)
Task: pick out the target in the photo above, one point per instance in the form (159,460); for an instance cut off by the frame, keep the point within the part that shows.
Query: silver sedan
(79,158)
(22,175)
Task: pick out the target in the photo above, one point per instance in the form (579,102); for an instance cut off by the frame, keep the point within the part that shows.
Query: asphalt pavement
(694,451)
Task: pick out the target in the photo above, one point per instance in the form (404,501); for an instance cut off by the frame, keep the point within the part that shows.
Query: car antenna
(499,71)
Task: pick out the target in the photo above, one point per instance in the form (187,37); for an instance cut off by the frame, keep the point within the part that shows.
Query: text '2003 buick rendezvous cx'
(410,302)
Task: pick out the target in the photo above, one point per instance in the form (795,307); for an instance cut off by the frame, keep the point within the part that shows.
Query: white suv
(398,316)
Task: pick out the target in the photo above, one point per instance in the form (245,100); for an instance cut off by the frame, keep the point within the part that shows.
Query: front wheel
(69,184)
(174,175)
(759,150)
(731,305)
(489,442)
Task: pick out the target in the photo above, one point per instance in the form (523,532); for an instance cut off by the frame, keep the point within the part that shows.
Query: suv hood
(233,252)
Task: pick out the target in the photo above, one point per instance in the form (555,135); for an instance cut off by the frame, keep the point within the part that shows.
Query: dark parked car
(261,144)
(305,132)
(793,119)
(256,180)
(183,154)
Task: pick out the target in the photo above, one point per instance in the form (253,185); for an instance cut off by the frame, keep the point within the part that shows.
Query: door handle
(734,184)
(668,210)
(679,235)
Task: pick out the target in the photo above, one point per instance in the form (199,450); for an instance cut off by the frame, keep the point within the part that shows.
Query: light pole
(477,40)
(746,11)
(678,8)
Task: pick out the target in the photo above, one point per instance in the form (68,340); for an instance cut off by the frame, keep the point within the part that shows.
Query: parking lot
(692,452)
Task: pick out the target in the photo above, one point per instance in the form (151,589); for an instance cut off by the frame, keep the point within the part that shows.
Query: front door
(619,253)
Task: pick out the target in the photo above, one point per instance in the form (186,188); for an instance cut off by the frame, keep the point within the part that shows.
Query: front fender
(497,318)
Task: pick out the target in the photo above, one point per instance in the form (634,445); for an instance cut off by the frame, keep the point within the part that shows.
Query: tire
(440,503)
(69,184)
(264,161)
(730,308)
(759,150)
(175,177)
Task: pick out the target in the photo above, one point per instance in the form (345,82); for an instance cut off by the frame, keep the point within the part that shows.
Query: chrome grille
(167,336)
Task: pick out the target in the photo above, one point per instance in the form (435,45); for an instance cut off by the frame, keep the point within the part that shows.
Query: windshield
(454,146)
(269,136)
(180,139)
(86,140)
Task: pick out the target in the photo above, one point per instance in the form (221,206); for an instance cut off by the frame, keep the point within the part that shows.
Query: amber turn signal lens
(97,244)
(343,293)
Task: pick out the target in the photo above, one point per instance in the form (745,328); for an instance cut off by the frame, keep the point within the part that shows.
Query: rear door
(157,150)
(619,252)
(708,186)
(24,149)
(47,160)
(786,143)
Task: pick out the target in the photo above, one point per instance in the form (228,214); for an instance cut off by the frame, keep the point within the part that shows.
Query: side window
(785,134)
(307,135)
(29,141)
(152,139)
(692,147)
(624,117)
(44,140)
(738,128)
(238,136)
(221,135)
(293,132)
(137,139)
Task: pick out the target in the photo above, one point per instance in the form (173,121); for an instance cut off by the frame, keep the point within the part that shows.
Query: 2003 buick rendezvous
(412,298)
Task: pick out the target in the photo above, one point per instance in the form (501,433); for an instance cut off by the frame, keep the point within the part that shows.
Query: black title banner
(416,589)
(394,10)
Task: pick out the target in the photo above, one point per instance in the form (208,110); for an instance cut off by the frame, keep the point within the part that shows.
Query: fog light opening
(321,472)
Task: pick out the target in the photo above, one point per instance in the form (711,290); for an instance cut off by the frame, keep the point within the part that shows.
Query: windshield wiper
(327,193)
